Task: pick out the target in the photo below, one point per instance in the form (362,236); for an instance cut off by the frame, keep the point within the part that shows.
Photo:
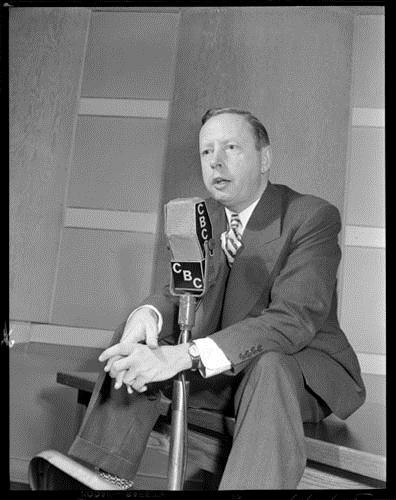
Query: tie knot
(231,240)
(235,223)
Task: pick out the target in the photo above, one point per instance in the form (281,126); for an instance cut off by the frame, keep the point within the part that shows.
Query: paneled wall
(90,97)
(362,305)
(47,48)
(83,233)
(105,263)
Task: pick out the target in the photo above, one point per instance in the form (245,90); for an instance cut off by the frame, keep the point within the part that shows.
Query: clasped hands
(135,364)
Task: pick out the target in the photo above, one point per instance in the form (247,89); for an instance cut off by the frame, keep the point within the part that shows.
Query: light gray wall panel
(45,60)
(130,55)
(369,62)
(117,163)
(102,276)
(363,299)
(375,387)
(366,183)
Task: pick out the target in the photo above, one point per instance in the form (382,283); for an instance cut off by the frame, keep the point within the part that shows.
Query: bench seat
(341,454)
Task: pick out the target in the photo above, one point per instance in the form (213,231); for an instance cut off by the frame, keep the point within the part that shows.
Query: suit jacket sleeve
(300,297)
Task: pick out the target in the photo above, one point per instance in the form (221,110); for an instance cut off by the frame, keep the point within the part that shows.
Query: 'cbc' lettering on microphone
(188,276)
(203,225)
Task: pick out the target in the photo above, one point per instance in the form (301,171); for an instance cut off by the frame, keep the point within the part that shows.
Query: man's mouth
(220,182)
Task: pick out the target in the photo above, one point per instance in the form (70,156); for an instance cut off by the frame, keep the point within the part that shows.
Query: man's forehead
(225,124)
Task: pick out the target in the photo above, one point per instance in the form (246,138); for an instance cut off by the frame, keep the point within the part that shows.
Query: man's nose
(217,160)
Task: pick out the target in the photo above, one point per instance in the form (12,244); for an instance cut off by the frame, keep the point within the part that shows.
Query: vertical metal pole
(178,445)
(178,451)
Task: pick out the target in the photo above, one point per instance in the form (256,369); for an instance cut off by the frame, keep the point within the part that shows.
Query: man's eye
(205,152)
(231,146)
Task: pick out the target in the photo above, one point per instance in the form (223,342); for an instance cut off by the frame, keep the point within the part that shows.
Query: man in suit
(267,342)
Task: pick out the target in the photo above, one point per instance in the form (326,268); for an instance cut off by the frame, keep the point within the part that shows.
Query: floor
(19,486)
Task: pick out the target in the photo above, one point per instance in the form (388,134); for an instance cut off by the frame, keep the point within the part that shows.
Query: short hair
(260,132)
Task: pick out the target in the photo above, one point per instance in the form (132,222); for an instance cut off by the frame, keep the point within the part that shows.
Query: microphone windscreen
(187,226)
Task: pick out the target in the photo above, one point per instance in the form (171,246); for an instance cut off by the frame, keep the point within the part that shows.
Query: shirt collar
(244,216)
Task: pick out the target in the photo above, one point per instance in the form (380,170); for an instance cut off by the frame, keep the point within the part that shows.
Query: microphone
(189,233)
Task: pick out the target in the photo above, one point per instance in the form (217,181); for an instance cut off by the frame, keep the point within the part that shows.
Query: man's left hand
(144,364)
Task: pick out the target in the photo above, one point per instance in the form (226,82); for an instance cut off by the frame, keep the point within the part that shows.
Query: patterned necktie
(231,240)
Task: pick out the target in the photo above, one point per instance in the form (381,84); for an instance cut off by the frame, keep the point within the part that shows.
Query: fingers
(118,368)
(123,363)
(130,390)
(118,375)
(110,362)
(138,384)
(117,365)
(118,379)
(142,325)
(129,377)
(151,332)
(114,350)
(133,330)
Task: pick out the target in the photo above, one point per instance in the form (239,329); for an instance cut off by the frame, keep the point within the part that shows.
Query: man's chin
(220,196)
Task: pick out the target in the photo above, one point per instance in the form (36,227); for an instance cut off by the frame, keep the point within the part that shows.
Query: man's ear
(266,159)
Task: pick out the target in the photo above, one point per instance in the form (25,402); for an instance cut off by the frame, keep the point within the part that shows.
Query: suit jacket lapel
(209,311)
(253,265)
(219,224)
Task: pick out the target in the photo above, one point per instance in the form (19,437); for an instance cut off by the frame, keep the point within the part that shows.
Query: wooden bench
(341,454)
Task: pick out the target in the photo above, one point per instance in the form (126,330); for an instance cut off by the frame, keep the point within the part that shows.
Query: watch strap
(196,359)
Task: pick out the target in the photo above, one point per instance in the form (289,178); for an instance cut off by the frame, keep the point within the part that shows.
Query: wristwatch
(194,355)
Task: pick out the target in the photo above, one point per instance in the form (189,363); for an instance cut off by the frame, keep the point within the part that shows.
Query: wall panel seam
(111,220)
(133,108)
(61,334)
(368,117)
(374,364)
(364,236)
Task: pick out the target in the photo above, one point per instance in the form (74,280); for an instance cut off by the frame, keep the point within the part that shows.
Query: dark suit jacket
(280,295)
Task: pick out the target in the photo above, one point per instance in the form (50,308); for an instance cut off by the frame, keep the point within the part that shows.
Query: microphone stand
(178,446)
(177,463)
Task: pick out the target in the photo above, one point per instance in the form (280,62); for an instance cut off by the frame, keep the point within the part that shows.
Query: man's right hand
(141,326)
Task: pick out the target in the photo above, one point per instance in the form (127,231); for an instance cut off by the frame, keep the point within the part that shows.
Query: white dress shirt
(214,361)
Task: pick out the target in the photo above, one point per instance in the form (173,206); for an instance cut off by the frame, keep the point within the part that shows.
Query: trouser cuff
(95,455)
